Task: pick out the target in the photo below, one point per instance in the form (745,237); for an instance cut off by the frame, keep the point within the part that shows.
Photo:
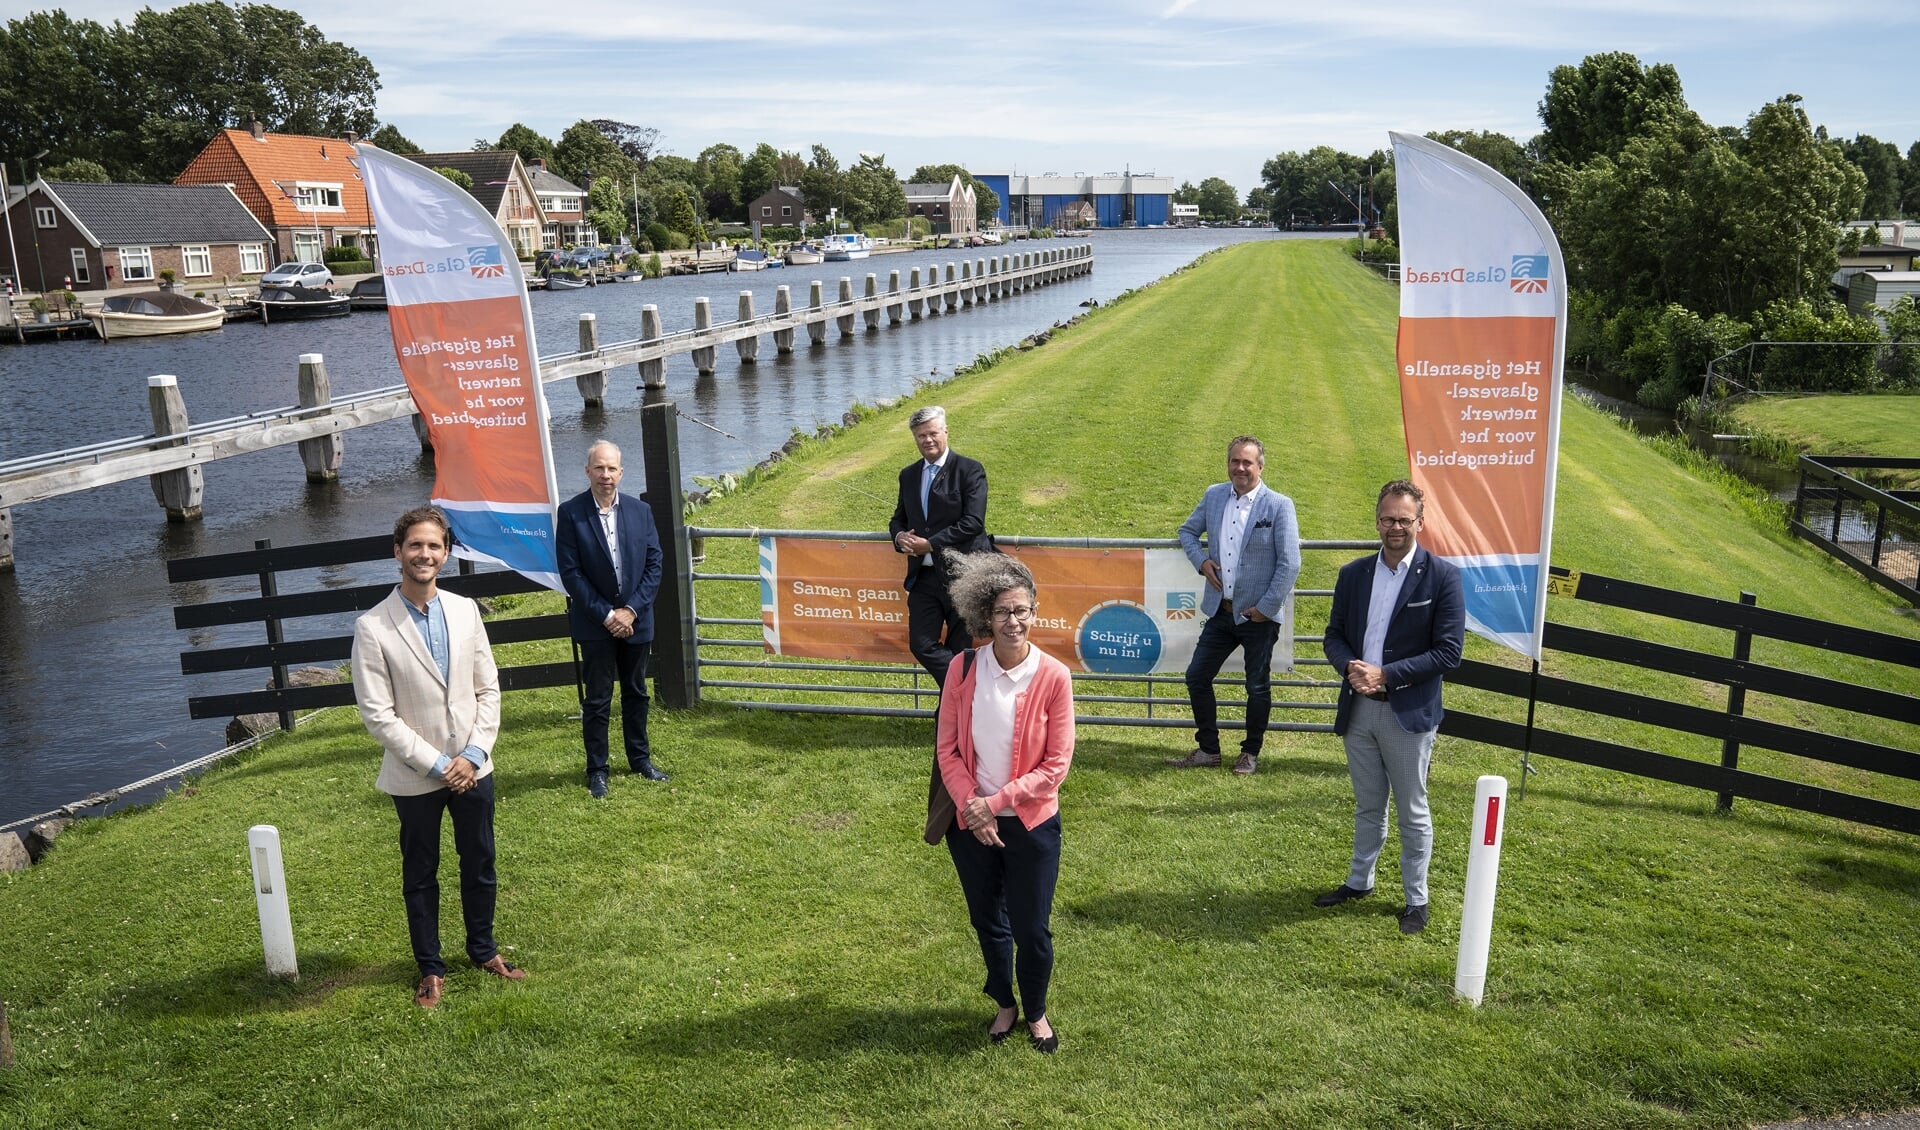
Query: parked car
(314,275)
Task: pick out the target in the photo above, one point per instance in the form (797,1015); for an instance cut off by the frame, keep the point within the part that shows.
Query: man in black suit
(943,505)
(1397,625)
(609,556)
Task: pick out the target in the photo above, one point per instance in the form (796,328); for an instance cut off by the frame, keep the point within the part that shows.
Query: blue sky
(1182,88)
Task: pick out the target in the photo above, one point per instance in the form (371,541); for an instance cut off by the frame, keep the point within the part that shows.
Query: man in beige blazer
(428,691)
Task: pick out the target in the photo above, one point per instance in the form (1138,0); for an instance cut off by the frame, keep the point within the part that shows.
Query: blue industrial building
(1113,200)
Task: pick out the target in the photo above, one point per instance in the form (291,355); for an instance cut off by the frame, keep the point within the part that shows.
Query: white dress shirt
(995,691)
(1387,584)
(1233,536)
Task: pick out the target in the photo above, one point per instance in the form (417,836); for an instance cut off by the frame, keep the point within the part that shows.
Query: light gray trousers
(1382,757)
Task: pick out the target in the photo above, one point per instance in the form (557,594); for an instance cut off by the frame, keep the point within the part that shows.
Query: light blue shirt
(433,630)
(1387,584)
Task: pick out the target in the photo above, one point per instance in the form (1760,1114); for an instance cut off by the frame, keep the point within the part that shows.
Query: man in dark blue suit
(1398,622)
(609,558)
(942,505)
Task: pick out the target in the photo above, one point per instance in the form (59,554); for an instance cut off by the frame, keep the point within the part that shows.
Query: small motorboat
(368,294)
(150,313)
(847,246)
(567,280)
(753,261)
(804,255)
(299,303)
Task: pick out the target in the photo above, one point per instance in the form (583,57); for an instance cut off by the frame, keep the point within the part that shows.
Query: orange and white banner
(464,334)
(1483,313)
(1114,611)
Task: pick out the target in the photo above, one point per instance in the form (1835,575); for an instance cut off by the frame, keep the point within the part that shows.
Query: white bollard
(1483,876)
(270,890)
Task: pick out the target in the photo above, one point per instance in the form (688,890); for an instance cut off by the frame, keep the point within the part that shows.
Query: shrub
(659,236)
(341,254)
(1833,361)
(653,266)
(1901,367)
(1687,343)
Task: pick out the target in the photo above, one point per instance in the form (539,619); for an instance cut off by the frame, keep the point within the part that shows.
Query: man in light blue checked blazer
(1250,558)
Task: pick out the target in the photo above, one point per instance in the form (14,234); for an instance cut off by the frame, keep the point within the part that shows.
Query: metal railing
(1157,700)
(1875,531)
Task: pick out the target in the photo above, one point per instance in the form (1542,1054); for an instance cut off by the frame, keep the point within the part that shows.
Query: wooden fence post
(702,322)
(180,492)
(1736,700)
(895,308)
(782,306)
(845,321)
(321,455)
(270,587)
(749,347)
(676,676)
(592,386)
(6,541)
(873,291)
(653,374)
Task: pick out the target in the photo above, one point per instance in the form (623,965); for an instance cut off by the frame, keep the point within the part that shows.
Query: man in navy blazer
(1250,560)
(943,505)
(1397,625)
(609,556)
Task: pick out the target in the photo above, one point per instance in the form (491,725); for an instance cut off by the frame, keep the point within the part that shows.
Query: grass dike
(765,940)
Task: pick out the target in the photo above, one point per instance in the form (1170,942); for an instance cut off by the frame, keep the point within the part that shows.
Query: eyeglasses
(1002,615)
(1396,523)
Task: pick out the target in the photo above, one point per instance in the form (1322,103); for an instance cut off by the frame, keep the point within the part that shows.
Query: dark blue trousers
(1219,636)
(472,813)
(601,663)
(1010,901)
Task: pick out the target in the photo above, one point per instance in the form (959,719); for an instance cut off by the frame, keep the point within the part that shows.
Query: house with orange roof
(306,191)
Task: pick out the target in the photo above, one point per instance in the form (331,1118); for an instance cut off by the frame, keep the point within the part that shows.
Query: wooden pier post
(966,282)
(817,327)
(979,281)
(703,321)
(653,374)
(180,492)
(845,321)
(895,308)
(993,277)
(915,303)
(873,291)
(782,306)
(6,541)
(749,347)
(592,386)
(321,455)
(953,292)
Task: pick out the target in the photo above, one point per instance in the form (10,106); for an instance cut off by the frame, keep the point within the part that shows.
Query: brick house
(305,190)
(780,206)
(564,204)
(117,236)
(952,208)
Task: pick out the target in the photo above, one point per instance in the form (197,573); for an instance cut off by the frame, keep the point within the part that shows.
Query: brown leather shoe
(1198,759)
(1247,765)
(427,994)
(501,967)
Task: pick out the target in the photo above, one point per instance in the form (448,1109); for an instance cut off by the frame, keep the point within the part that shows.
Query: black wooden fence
(1875,531)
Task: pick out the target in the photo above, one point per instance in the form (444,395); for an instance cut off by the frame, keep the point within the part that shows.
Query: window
(136,263)
(786,210)
(80,265)
(766,211)
(253,259)
(43,217)
(306,246)
(198,260)
(550,239)
(319,197)
(939,209)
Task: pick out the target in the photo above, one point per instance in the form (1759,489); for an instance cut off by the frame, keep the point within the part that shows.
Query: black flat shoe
(1045,1045)
(1001,1037)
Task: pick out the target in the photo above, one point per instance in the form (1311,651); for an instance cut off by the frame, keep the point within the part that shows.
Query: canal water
(91,696)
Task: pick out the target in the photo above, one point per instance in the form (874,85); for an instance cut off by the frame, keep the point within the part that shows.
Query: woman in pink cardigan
(1005,741)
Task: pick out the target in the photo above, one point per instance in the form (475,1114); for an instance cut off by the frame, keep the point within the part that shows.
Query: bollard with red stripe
(1483,876)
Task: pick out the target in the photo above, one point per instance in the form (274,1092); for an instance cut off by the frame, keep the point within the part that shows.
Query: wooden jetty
(172,456)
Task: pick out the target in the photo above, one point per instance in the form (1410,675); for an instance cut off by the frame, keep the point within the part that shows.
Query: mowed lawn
(766,941)
(1886,425)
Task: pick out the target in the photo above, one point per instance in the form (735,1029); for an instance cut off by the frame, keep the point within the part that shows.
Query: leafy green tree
(1497,151)
(1593,109)
(1798,189)
(1260,200)
(608,210)
(78,169)
(1880,162)
(1218,200)
(719,169)
(791,167)
(873,191)
(59,76)
(1302,185)
(583,153)
(192,67)
(392,140)
(636,143)
(759,173)
(677,212)
(1910,182)
(458,177)
(667,168)
(822,184)
(531,145)
(1186,193)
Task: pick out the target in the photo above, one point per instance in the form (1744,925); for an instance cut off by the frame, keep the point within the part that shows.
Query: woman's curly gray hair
(977,580)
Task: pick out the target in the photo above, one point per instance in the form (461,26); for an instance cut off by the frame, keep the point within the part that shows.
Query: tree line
(1683,240)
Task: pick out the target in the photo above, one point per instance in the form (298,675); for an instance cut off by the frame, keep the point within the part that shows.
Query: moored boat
(803,255)
(844,246)
(567,280)
(298,303)
(368,294)
(753,261)
(151,313)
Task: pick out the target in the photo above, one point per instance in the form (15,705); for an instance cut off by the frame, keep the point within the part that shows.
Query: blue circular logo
(1119,638)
